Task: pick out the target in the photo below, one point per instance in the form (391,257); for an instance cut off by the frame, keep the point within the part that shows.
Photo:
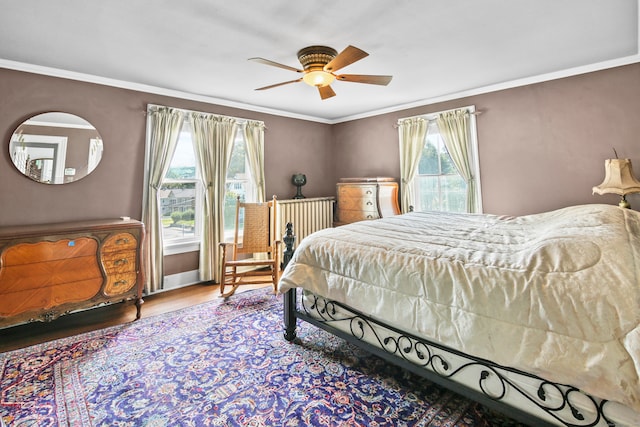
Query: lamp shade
(318,78)
(618,178)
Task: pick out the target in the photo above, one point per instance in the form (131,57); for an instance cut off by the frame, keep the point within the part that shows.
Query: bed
(537,316)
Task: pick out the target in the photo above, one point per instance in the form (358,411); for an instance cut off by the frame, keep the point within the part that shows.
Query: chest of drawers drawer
(119,283)
(347,217)
(119,242)
(119,262)
(27,266)
(356,191)
(358,203)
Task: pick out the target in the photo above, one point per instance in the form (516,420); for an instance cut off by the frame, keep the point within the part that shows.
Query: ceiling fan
(319,64)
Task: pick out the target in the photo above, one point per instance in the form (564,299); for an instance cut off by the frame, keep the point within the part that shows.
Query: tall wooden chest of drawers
(366,198)
(50,270)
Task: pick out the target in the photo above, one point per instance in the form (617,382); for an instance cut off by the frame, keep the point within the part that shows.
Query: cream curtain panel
(213,138)
(254,138)
(164,126)
(454,127)
(411,133)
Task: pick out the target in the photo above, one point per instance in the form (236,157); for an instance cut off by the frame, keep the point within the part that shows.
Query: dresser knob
(121,261)
(369,203)
(120,283)
(122,241)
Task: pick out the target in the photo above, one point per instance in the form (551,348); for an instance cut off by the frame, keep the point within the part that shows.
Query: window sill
(176,248)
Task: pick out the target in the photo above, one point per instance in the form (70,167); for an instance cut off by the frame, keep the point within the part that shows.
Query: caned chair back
(256,228)
(254,235)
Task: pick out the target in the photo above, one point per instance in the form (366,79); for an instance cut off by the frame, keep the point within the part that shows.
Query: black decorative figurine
(299,179)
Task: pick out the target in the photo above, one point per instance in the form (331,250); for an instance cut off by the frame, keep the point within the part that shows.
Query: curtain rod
(431,119)
(241,120)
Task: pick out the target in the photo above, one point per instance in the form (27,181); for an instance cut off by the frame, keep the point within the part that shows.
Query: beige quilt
(556,294)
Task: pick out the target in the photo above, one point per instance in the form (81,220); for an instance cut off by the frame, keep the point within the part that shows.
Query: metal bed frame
(544,403)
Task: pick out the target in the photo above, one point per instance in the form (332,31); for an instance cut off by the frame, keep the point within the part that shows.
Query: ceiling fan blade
(275,64)
(348,56)
(280,84)
(363,78)
(326,92)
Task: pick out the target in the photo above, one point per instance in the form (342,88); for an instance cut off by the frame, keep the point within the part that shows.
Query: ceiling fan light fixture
(319,63)
(318,78)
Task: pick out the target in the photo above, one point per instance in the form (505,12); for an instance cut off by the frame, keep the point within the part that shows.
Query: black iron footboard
(546,403)
(443,365)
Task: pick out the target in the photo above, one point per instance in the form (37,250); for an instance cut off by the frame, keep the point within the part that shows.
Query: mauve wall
(541,146)
(115,187)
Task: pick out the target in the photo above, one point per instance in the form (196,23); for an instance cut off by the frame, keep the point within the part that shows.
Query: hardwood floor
(101,317)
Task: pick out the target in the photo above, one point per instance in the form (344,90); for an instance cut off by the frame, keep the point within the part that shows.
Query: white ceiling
(435,49)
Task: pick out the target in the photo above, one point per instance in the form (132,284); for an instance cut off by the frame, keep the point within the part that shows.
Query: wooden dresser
(49,270)
(366,198)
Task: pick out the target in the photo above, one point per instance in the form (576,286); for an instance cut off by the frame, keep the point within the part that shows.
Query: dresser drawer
(349,190)
(119,242)
(14,278)
(353,216)
(119,283)
(358,203)
(44,298)
(29,253)
(119,262)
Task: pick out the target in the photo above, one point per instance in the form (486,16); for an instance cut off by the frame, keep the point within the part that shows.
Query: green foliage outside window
(236,183)
(433,162)
(237,162)
(176,217)
(439,185)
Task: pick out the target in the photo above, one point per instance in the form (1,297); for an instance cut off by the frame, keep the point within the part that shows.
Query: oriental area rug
(222,363)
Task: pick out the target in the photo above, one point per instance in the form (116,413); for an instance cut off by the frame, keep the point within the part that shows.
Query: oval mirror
(55,148)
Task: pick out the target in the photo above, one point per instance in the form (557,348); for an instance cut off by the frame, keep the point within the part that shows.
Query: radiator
(306,215)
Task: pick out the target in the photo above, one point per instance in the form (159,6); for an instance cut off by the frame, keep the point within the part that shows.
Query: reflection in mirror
(56,148)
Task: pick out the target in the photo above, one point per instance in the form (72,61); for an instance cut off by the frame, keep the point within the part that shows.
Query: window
(180,194)
(438,185)
(174,193)
(238,184)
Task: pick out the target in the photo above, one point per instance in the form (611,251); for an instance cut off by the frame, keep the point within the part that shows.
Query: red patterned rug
(223,363)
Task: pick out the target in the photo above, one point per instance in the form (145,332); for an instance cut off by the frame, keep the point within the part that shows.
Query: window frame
(192,244)
(248,182)
(187,244)
(473,152)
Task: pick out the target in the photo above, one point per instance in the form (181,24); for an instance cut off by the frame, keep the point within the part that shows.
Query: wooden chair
(254,225)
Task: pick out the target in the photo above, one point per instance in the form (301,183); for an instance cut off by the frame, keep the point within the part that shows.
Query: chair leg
(223,281)
(274,279)
(229,277)
(226,273)
(231,292)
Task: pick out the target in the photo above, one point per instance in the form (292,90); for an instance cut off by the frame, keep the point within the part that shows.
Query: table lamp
(618,179)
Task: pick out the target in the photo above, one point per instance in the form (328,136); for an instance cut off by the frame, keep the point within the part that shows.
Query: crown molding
(499,86)
(54,72)
(89,78)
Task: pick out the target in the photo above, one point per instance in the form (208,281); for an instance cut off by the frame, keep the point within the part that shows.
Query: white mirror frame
(45,158)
